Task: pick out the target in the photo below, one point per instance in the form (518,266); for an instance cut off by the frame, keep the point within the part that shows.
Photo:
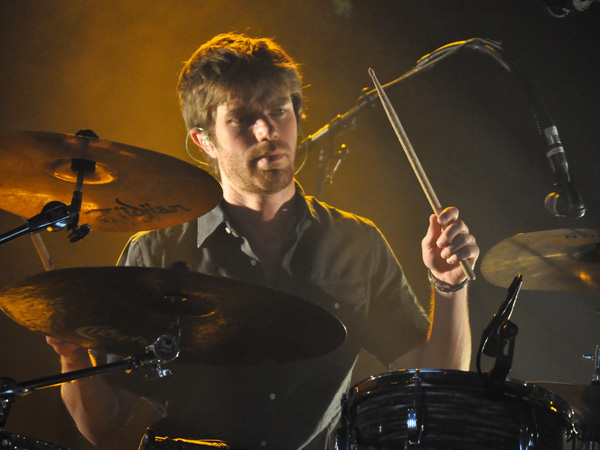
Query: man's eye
(239,120)
(278,112)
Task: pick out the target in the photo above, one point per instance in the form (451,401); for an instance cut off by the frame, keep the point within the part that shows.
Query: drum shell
(451,410)
(12,441)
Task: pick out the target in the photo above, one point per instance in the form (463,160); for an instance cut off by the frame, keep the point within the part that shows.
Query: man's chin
(274,180)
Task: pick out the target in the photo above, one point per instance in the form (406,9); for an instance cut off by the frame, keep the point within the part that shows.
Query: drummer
(242,103)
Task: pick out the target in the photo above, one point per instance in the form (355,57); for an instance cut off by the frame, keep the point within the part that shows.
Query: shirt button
(272,396)
(253,262)
(263,443)
(336,305)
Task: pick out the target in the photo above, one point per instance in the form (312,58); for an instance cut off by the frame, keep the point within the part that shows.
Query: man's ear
(201,139)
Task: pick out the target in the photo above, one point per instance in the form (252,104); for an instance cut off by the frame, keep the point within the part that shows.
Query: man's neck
(256,209)
(267,222)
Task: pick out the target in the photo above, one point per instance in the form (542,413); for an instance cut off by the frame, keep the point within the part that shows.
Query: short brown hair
(234,62)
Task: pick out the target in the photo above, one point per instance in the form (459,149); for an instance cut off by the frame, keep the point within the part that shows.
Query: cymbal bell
(122,310)
(553,260)
(131,189)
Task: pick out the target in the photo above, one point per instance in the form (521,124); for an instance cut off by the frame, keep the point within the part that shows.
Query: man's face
(255,142)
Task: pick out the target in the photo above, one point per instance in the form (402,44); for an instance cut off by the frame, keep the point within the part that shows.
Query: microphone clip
(498,341)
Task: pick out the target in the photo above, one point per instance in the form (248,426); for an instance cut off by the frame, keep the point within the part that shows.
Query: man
(241,100)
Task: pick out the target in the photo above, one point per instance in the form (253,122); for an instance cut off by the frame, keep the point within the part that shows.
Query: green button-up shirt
(338,261)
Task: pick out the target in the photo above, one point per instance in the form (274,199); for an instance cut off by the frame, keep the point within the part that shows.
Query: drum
(11,441)
(150,441)
(451,410)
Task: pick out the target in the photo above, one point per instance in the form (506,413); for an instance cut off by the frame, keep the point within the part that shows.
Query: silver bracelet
(449,287)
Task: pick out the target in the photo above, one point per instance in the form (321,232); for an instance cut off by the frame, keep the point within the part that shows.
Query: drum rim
(31,442)
(517,388)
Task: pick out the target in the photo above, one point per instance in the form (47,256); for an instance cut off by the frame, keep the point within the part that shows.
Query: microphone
(566,201)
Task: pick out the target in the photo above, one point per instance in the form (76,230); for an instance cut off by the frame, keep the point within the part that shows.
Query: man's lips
(268,158)
(272,157)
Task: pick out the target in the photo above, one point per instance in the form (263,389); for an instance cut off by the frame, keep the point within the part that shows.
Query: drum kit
(155,316)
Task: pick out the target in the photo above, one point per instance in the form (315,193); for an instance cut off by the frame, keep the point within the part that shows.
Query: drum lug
(527,439)
(413,423)
(415,430)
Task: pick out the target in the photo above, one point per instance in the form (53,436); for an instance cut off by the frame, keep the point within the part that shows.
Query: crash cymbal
(121,310)
(554,260)
(132,189)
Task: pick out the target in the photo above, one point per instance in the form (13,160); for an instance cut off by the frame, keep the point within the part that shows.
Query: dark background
(112,66)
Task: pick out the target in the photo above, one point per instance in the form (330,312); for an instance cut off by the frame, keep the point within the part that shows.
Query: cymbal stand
(589,434)
(164,350)
(596,358)
(56,216)
(167,346)
(329,160)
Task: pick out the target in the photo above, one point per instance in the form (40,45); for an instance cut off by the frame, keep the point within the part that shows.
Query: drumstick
(42,251)
(414,161)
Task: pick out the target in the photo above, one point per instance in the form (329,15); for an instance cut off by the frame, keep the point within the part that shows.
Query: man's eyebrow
(238,110)
(274,103)
(280,101)
(243,109)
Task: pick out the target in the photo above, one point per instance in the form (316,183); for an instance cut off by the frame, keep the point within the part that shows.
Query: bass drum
(451,410)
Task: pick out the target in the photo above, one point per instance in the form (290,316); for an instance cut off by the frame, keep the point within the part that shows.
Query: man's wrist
(80,359)
(442,286)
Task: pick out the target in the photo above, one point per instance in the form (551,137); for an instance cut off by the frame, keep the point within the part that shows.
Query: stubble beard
(274,180)
(252,179)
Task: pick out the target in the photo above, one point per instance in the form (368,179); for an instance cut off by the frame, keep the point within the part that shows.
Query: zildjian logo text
(144,211)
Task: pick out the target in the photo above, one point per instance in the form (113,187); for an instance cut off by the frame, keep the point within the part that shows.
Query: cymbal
(121,310)
(132,189)
(553,260)
(583,399)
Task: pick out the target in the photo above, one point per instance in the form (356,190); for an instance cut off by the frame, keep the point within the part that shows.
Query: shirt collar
(209,222)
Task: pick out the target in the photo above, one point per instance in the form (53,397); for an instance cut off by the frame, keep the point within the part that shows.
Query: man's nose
(265,130)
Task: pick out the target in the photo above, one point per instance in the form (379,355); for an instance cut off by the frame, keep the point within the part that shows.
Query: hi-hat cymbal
(132,189)
(121,310)
(554,260)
